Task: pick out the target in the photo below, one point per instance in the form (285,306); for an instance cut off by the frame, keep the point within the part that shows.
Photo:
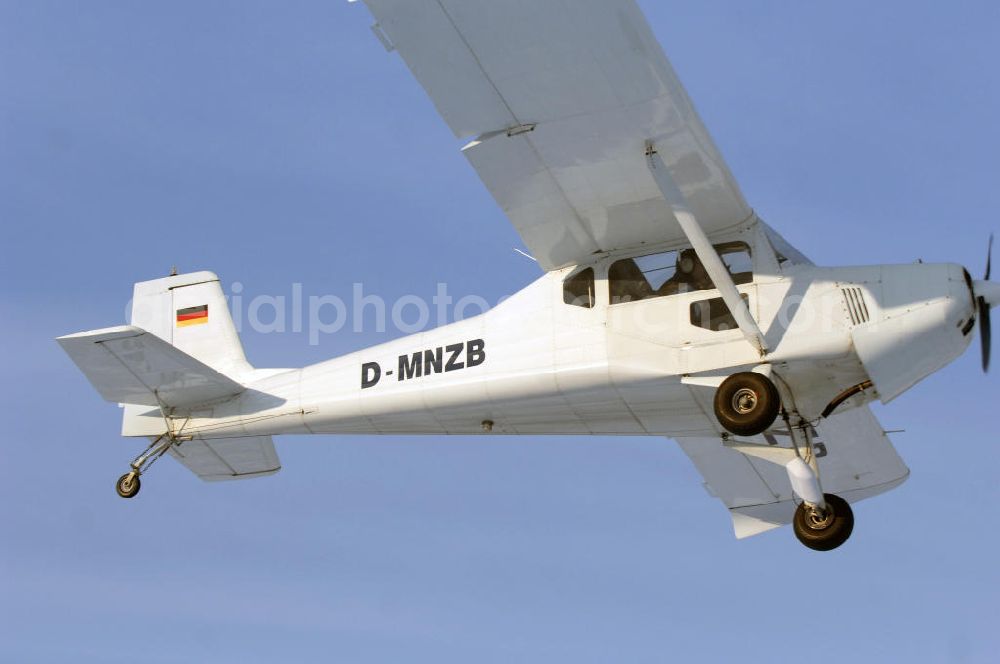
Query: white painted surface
(596,85)
(560,106)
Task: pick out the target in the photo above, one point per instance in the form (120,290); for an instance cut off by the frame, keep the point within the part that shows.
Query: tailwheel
(128,485)
(747,403)
(824,530)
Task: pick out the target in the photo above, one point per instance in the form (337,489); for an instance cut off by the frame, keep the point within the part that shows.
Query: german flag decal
(192,316)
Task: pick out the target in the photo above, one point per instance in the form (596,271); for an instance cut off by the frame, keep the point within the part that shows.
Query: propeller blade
(989,257)
(984,331)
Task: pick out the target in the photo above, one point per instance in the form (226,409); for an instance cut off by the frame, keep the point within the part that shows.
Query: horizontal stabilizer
(127,364)
(214,459)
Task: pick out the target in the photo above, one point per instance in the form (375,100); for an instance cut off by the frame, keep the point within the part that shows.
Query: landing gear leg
(822,521)
(128,484)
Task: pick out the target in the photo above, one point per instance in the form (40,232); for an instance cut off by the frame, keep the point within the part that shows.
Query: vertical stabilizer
(189,311)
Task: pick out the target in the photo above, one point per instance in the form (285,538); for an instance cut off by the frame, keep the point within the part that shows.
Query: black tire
(832,532)
(128,485)
(746,403)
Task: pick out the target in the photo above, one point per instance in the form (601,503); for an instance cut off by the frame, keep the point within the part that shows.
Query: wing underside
(856,461)
(559,98)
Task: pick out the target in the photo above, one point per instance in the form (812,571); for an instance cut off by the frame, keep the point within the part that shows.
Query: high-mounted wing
(214,459)
(560,97)
(856,461)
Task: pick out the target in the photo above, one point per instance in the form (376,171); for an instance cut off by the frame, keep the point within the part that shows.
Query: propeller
(984,311)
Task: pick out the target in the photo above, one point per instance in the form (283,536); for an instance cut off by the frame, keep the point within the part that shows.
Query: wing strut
(704,249)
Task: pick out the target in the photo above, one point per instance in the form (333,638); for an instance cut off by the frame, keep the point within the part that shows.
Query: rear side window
(713,314)
(578,289)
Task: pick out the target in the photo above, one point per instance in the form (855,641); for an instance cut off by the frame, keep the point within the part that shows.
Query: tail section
(180,355)
(180,351)
(189,312)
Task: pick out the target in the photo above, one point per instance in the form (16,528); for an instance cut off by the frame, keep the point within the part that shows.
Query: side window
(641,278)
(673,272)
(736,257)
(578,289)
(714,314)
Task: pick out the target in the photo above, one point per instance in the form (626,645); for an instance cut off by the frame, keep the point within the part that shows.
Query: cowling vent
(857,308)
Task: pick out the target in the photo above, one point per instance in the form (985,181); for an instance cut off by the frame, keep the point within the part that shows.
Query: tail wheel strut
(128,484)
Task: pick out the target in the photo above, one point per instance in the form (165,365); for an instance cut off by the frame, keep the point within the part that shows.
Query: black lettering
(453,363)
(432,360)
(475,352)
(410,366)
(371,372)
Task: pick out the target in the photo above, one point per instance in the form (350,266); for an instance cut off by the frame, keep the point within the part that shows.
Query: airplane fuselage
(536,364)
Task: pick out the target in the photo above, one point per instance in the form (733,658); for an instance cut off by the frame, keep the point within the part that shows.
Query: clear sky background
(277,143)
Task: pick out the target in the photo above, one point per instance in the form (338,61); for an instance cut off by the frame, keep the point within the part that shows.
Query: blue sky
(277,144)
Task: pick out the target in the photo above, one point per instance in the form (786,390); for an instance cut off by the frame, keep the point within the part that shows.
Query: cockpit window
(736,257)
(674,272)
(578,289)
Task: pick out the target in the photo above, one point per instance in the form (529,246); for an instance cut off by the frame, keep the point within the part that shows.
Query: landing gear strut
(128,484)
(822,521)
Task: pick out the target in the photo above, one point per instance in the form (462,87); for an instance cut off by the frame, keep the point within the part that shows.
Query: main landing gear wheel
(746,403)
(824,531)
(128,485)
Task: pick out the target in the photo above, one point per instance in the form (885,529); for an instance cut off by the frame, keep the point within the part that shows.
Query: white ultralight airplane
(667,306)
